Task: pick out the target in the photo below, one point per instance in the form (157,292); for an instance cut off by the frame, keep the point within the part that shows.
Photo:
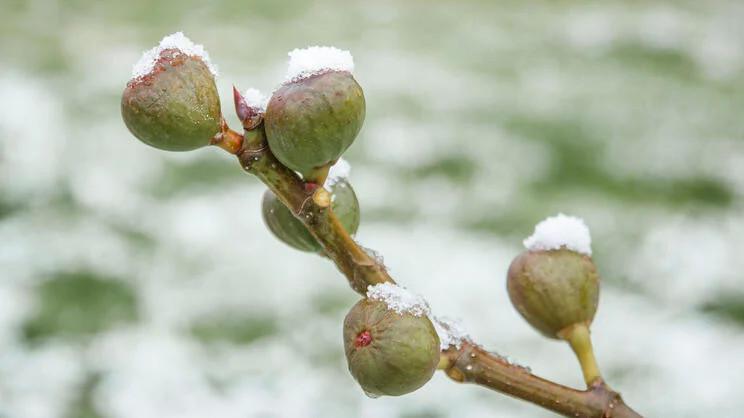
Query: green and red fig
(312,120)
(389,353)
(290,230)
(554,289)
(171,103)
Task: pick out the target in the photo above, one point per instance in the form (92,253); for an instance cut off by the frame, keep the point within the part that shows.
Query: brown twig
(472,364)
(468,363)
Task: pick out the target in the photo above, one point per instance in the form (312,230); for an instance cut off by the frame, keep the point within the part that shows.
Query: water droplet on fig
(371,395)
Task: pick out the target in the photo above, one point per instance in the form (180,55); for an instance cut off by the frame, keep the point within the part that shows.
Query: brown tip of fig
(168,57)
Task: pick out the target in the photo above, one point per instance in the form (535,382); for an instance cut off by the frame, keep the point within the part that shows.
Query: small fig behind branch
(290,230)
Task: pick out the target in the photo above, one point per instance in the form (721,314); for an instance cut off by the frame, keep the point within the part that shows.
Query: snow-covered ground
(142,284)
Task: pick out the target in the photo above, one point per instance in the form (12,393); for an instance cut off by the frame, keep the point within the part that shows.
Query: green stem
(318,175)
(580,340)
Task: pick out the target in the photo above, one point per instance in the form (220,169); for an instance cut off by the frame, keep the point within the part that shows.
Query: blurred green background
(138,283)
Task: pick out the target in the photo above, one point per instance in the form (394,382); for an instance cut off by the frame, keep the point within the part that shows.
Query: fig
(389,353)
(554,289)
(290,230)
(171,103)
(312,120)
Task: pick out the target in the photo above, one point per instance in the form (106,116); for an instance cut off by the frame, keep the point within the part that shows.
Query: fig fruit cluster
(171,103)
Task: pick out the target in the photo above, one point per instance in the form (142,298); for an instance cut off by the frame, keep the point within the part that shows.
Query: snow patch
(339,171)
(255,99)
(399,299)
(450,331)
(560,231)
(312,60)
(177,41)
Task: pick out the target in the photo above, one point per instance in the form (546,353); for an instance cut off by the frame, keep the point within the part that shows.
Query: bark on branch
(467,364)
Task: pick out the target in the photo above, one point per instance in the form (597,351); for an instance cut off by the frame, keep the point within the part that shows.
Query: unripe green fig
(175,105)
(554,289)
(290,230)
(389,353)
(311,121)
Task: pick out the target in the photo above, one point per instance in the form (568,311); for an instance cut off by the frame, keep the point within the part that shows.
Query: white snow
(339,171)
(177,41)
(560,231)
(256,99)
(317,59)
(450,331)
(399,299)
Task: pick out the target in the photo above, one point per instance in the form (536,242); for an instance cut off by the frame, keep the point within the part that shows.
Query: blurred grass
(458,169)
(235,329)
(576,162)
(729,307)
(209,171)
(7,208)
(670,62)
(472,78)
(74,305)
(332,304)
(83,406)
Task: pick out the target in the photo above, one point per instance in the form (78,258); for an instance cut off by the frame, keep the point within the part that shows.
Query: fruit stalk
(581,343)
(227,139)
(467,364)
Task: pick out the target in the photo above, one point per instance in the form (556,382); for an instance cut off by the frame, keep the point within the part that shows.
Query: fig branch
(361,269)
(472,364)
(468,364)
(293,142)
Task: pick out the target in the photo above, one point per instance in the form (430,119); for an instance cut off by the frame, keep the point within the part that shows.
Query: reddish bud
(249,114)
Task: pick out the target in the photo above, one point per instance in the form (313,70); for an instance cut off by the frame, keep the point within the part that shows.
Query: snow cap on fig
(390,349)
(171,101)
(560,231)
(290,230)
(399,299)
(313,60)
(555,284)
(450,331)
(317,113)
